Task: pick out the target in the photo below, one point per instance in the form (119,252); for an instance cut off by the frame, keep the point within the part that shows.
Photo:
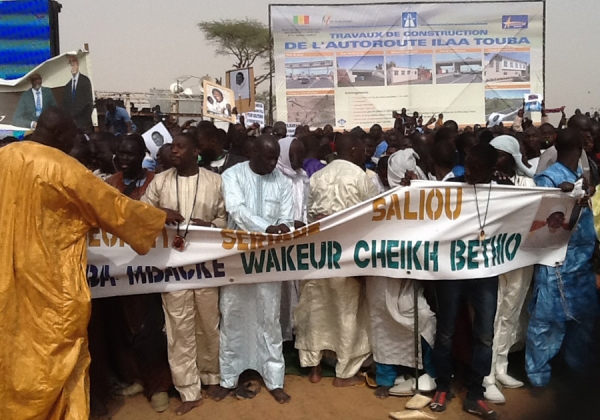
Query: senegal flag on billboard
(301,20)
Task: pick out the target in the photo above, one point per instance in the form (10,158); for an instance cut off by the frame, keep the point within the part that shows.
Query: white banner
(428,231)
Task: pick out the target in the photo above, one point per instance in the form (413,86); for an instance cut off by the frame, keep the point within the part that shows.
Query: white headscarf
(510,145)
(299,179)
(401,162)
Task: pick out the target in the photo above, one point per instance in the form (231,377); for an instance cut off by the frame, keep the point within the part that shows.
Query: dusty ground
(323,401)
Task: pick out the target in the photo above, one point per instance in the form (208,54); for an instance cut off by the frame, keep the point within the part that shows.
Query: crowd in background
(263,180)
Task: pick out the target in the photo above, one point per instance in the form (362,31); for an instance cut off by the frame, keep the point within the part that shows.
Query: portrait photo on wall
(218,102)
(241,82)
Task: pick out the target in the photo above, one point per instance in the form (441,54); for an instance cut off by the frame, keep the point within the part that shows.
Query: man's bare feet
(188,406)
(280,396)
(355,380)
(382,392)
(217,392)
(315,374)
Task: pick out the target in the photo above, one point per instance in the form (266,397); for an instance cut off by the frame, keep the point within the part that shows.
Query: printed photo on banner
(552,225)
(359,70)
(502,105)
(507,67)
(241,82)
(62,81)
(218,102)
(309,72)
(312,110)
(156,137)
(458,68)
(409,69)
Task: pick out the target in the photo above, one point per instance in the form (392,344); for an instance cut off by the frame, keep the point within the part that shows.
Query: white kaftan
(332,314)
(290,290)
(391,307)
(391,301)
(250,328)
(512,292)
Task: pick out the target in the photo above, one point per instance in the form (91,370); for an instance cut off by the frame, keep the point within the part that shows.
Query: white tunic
(332,314)
(250,328)
(391,308)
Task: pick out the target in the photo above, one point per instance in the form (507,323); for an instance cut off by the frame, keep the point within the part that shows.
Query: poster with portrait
(156,137)
(241,82)
(64,81)
(552,224)
(533,102)
(218,102)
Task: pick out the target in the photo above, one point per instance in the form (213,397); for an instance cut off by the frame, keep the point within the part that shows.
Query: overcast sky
(138,45)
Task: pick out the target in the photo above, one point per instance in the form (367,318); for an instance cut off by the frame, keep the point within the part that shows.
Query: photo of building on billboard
(309,72)
(360,70)
(409,69)
(315,110)
(455,68)
(507,67)
(503,104)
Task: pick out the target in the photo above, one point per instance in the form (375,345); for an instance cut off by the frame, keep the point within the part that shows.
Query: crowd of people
(265,181)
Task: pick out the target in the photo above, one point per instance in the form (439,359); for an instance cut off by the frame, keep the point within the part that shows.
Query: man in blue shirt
(564,305)
(117,119)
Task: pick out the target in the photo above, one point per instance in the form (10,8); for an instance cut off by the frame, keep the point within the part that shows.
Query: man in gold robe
(48,204)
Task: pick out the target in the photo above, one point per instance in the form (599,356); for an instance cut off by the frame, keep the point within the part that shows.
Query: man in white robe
(512,286)
(332,314)
(258,198)
(191,316)
(290,161)
(391,308)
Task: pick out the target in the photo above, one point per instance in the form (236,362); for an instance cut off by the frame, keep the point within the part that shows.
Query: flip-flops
(370,379)
(247,390)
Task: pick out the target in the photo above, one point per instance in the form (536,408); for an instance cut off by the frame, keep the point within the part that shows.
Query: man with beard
(213,156)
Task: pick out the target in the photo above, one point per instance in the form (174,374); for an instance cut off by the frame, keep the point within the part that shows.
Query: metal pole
(270,70)
(417,336)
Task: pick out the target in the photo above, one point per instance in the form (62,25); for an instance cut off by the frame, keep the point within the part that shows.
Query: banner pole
(271,69)
(416,335)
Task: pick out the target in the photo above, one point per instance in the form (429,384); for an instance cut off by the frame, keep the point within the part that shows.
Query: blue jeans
(482,294)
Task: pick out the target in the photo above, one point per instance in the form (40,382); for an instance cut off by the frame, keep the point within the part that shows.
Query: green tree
(247,40)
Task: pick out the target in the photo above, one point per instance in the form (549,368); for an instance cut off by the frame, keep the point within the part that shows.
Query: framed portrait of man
(218,102)
(241,82)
